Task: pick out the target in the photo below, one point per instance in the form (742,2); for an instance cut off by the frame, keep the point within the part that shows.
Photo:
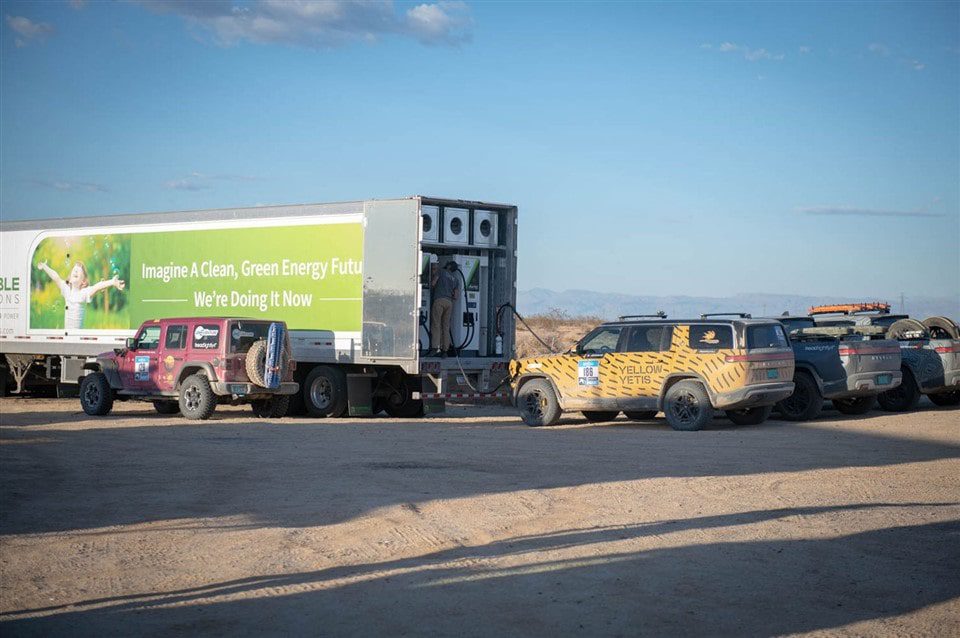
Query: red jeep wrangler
(190,365)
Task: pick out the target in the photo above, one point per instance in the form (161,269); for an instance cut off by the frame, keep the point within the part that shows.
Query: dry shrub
(558,329)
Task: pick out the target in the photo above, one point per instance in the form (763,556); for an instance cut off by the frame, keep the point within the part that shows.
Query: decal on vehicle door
(141,368)
(588,372)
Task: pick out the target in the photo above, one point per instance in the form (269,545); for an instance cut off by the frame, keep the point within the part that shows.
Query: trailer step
(460,395)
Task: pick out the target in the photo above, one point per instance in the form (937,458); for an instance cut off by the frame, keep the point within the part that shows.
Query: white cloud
(878,48)
(319,24)
(196,181)
(805,49)
(751,55)
(27,30)
(917,65)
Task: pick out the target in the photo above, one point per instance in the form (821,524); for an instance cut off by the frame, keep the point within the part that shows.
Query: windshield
(600,340)
(766,336)
(243,334)
(797,323)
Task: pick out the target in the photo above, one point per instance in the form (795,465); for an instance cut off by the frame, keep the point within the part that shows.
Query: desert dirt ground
(473,524)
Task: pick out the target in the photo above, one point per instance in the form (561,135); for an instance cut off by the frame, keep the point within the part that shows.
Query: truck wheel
(400,403)
(325,392)
(805,403)
(906,328)
(750,416)
(96,395)
(904,397)
(197,400)
(942,328)
(642,415)
(687,406)
(599,416)
(166,407)
(273,408)
(538,403)
(855,405)
(946,399)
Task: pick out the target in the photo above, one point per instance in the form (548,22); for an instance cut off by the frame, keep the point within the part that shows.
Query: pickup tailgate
(878,356)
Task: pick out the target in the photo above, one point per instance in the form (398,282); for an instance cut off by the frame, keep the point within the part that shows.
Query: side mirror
(131,343)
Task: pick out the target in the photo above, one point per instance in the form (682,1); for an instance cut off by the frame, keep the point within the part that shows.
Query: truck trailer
(350,279)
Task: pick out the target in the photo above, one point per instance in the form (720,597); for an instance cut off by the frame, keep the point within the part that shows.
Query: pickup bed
(847,365)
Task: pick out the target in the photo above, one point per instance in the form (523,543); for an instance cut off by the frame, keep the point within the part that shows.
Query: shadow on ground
(519,587)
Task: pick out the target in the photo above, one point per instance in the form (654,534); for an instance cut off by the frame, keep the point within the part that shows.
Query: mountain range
(588,303)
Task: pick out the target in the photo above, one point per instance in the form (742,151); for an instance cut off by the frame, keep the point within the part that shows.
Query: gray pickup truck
(847,365)
(930,356)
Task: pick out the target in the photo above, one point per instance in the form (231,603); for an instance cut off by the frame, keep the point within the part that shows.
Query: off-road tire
(687,406)
(904,397)
(640,415)
(899,328)
(945,399)
(942,328)
(273,408)
(256,362)
(806,402)
(855,405)
(96,395)
(538,403)
(166,407)
(325,392)
(600,416)
(750,416)
(197,400)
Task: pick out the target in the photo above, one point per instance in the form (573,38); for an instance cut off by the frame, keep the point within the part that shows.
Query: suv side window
(711,337)
(766,336)
(149,339)
(648,339)
(600,340)
(176,338)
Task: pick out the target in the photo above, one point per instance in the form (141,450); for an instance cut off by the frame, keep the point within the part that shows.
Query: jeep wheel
(687,406)
(538,403)
(96,395)
(642,415)
(855,405)
(750,416)
(197,400)
(904,397)
(600,416)
(805,403)
(325,392)
(273,408)
(166,407)
(945,399)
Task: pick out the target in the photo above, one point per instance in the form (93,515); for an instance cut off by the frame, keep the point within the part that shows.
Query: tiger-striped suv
(641,365)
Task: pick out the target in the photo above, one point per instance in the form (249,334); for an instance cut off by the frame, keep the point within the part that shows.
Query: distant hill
(586,303)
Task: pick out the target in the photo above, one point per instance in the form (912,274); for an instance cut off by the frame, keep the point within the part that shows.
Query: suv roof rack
(880,307)
(742,315)
(659,315)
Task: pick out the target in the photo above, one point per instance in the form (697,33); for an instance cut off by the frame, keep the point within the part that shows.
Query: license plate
(884,379)
(773,374)
(238,389)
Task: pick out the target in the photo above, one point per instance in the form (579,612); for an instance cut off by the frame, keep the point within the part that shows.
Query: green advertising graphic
(309,276)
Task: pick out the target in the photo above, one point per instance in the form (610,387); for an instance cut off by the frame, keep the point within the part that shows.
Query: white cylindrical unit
(456,226)
(430,219)
(484,228)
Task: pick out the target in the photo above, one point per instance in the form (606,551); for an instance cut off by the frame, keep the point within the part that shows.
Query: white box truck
(350,279)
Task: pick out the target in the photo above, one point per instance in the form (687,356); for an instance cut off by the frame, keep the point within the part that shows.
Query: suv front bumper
(223,388)
(754,396)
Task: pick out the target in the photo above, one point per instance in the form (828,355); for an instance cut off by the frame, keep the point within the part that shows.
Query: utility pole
(903,307)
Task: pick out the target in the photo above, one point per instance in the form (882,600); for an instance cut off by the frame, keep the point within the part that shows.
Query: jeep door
(139,366)
(587,378)
(171,356)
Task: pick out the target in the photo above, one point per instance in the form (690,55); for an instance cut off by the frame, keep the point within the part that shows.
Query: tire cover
(273,373)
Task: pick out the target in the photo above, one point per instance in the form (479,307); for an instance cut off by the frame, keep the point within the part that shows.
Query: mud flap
(272,372)
(360,394)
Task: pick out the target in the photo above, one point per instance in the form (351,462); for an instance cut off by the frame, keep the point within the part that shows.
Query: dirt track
(473,524)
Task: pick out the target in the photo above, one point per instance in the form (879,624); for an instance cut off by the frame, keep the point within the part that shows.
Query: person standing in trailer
(445,283)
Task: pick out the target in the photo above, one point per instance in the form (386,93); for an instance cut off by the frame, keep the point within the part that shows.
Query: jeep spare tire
(942,328)
(906,329)
(256,362)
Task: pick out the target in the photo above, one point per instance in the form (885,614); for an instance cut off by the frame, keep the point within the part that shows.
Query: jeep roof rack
(659,315)
(742,315)
(880,307)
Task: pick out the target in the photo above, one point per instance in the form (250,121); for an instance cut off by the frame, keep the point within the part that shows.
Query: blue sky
(701,149)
